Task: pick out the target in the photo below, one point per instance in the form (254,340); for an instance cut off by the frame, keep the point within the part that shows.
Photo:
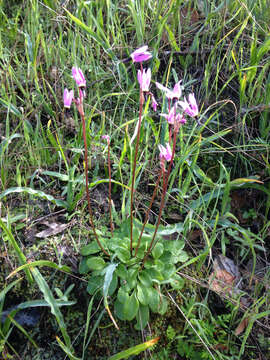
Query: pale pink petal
(78,76)
(68,97)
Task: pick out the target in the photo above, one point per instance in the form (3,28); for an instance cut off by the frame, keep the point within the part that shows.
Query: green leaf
(33,264)
(83,268)
(142,317)
(48,296)
(175,246)
(140,253)
(145,278)
(95,283)
(62,177)
(4,144)
(95,263)
(183,256)
(10,107)
(167,257)
(155,274)
(132,278)
(109,272)
(89,249)
(119,310)
(159,265)
(177,282)
(142,294)
(113,285)
(158,250)
(149,263)
(123,254)
(163,305)
(122,295)
(131,307)
(37,193)
(17,248)
(6,289)
(121,271)
(169,271)
(153,299)
(135,350)
(66,349)
(202,176)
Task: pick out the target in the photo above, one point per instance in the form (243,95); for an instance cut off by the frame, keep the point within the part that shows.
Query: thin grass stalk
(148,211)
(80,109)
(134,166)
(17,249)
(110,188)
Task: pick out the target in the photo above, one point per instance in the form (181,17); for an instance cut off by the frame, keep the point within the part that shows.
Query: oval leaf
(95,263)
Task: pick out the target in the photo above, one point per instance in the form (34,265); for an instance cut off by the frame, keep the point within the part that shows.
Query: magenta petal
(141,54)
(78,76)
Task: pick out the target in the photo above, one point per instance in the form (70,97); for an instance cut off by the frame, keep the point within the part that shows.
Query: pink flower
(144,78)
(106,137)
(174,119)
(190,106)
(170,117)
(165,152)
(68,97)
(78,76)
(171,94)
(180,119)
(154,103)
(141,54)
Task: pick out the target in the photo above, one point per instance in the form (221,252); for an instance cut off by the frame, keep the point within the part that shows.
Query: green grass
(222,54)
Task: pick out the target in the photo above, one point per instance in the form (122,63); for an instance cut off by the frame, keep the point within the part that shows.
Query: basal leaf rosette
(136,287)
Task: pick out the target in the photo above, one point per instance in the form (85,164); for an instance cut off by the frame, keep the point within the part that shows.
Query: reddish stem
(81,112)
(134,167)
(159,216)
(148,211)
(164,190)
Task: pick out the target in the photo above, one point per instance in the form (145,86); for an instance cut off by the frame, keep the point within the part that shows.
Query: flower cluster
(174,118)
(68,95)
(165,154)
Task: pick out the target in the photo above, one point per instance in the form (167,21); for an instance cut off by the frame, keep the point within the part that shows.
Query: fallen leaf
(241,327)
(221,281)
(53,229)
(225,275)
(221,347)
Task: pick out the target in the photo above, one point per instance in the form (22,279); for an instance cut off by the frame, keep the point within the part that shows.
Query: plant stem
(81,112)
(148,211)
(164,190)
(134,168)
(159,217)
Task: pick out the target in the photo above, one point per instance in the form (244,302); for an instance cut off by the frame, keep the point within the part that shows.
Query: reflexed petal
(78,76)
(141,54)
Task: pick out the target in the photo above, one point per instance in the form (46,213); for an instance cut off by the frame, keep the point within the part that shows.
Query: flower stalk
(134,169)
(144,79)
(148,211)
(164,191)
(79,104)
